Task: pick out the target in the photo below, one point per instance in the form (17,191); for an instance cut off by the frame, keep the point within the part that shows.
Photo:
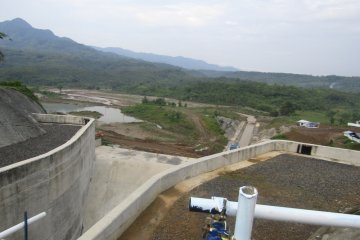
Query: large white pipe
(245,213)
(307,216)
(20,226)
(286,214)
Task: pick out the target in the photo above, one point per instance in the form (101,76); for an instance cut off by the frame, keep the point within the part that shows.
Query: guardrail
(246,209)
(22,225)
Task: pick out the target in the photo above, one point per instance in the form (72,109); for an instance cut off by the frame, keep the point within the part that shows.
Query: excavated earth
(286,180)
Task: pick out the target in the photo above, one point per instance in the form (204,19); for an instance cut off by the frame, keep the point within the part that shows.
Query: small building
(356,124)
(308,124)
(352,136)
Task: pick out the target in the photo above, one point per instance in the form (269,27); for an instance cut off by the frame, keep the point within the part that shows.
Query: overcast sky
(319,37)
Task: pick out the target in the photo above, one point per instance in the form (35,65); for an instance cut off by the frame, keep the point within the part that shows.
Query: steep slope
(16,122)
(179,61)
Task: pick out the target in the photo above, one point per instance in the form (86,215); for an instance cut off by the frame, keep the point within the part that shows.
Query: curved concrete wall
(120,218)
(55,182)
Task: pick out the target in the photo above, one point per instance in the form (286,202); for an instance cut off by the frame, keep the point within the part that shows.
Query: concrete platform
(118,172)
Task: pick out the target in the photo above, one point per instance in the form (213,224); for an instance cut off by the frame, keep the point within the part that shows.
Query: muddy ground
(324,135)
(286,180)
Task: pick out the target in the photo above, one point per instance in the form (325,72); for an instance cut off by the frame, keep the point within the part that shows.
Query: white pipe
(307,216)
(294,215)
(20,226)
(245,213)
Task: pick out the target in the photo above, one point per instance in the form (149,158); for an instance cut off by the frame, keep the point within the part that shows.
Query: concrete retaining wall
(120,218)
(55,182)
(336,154)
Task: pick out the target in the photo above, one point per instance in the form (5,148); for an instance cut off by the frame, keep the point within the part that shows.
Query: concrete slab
(118,172)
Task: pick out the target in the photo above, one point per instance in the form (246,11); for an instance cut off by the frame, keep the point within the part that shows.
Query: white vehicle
(352,136)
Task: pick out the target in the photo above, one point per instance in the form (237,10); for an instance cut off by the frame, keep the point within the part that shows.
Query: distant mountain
(182,62)
(24,36)
(37,56)
(350,84)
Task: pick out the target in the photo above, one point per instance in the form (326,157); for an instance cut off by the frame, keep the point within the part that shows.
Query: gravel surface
(286,180)
(55,136)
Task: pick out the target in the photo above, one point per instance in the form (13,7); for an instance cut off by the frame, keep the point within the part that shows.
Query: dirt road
(247,135)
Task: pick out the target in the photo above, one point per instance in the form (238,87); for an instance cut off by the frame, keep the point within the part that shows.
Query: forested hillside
(348,84)
(39,57)
(179,61)
(275,99)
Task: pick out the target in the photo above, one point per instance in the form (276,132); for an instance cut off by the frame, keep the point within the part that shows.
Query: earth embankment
(16,122)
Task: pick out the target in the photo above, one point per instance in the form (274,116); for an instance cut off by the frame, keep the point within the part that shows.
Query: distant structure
(356,124)
(308,124)
(352,136)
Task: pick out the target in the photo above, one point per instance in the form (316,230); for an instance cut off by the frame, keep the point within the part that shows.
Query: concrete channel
(116,221)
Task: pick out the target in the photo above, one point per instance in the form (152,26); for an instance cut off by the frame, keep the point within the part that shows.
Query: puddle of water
(110,114)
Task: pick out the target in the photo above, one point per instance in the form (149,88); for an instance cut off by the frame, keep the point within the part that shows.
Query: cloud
(193,15)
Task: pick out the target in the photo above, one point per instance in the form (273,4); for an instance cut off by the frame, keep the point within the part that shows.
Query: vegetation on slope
(198,129)
(18,86)
(275,99)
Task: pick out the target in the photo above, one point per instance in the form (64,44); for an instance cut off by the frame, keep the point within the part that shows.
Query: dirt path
(150,145)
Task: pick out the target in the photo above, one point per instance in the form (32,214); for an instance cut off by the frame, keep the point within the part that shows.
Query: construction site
(139,188)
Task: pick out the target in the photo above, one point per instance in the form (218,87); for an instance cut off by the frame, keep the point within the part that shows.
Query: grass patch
(279,137)
(18,86)
(349,144)
(166,117)
(311,116)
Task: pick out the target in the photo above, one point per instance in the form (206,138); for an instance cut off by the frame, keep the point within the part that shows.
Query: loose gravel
(55,136)
(286,180)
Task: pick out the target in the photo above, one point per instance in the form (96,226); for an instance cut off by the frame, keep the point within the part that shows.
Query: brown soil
(286,180)
(321,136)
(150,145)
(145,225)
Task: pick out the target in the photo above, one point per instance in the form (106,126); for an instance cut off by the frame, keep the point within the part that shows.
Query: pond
(110,115)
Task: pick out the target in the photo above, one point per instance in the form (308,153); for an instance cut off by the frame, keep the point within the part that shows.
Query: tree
(145,100)
(287,108)
(344,118)
(331,115)
(2,36)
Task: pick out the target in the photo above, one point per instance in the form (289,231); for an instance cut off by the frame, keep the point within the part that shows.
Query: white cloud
(193,15)
(269,35)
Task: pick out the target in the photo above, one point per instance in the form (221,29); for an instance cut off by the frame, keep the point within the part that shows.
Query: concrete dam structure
(55,182)
(116,221)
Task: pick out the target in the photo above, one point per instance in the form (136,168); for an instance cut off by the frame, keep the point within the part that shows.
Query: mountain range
(39,57)
(179,61)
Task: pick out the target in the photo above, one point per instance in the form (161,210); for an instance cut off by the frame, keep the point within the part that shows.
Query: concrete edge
(88,121)
(114,223)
